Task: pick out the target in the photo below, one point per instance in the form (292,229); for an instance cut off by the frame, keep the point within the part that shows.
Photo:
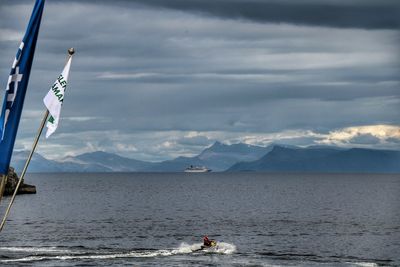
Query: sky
(158,79)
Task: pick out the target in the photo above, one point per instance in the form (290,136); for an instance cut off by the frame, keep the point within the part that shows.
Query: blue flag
(16,88)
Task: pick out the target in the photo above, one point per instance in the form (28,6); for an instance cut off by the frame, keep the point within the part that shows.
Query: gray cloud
(146,74)
(366,14)
(334,13)
(363,139)
(198,140)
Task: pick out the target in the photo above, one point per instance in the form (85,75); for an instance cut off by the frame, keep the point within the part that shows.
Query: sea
(159,219)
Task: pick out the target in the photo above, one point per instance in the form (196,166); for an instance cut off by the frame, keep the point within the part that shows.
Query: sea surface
(154,219)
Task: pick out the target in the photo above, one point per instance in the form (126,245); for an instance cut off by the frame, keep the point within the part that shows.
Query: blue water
(135,219)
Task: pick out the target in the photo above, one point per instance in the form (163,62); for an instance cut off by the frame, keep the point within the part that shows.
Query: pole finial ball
(71,51)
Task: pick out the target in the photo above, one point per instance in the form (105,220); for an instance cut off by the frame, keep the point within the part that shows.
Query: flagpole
(46,114)
(71,51)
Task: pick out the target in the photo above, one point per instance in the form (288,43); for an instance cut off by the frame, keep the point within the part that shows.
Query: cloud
(294,137)
(158,79)
(366,14)
(364,139)
(198,140)
(358,14)
(10,35)
(385,135)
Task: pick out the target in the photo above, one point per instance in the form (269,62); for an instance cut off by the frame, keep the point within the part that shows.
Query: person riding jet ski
(207,242)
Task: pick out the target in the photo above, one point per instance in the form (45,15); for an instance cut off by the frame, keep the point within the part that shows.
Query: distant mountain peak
(217,144)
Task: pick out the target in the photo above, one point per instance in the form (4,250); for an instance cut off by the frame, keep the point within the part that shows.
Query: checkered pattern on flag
(55,97)
(16,87)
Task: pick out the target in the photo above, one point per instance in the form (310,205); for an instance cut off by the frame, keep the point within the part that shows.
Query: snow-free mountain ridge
(223,157)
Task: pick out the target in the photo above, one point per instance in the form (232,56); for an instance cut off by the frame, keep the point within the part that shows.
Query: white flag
(54,99)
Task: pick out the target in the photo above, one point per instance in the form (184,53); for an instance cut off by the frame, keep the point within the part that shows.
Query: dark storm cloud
(367,14)
(342,14)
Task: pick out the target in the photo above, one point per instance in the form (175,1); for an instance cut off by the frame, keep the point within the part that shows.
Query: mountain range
(217,157)
(334,160)
(223,157)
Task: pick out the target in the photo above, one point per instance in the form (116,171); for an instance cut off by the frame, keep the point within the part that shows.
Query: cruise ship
(197,169)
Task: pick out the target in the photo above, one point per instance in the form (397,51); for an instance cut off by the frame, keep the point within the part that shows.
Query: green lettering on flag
(51,120)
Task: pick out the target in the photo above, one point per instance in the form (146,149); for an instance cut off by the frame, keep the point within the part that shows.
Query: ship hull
(198,171)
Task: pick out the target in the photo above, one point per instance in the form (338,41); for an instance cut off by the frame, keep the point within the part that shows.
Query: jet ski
(212,244)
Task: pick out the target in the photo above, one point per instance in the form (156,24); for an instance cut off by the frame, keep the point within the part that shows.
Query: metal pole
(46,114)
(71,51)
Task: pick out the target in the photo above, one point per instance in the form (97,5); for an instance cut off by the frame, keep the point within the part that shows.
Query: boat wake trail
(34,249)
(33,254)
(221,248)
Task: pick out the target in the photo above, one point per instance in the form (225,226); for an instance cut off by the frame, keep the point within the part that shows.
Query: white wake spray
(55,253)
(221,248)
